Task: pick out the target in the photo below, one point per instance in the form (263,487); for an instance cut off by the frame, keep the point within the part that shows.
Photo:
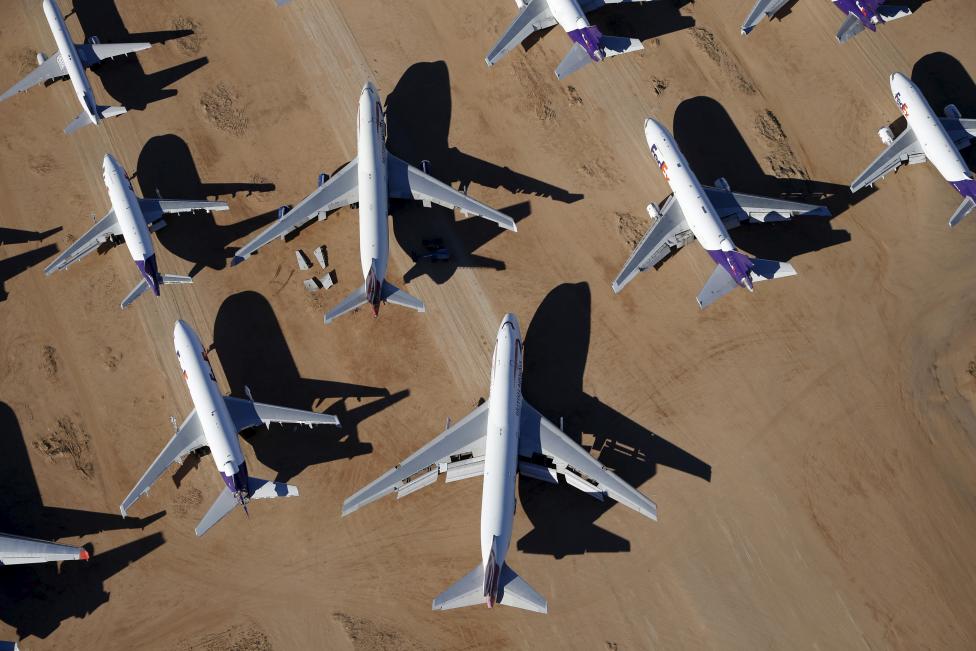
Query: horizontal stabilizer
(889,13)
(226,501)
(614,45)
(110,111)
(513,591)
(718,285)
(396,296)
(964,209)
(223,505)
(348,304)
(136,292)
(83,120)
(262,489)
(770,270)
(575,59)
(469,591)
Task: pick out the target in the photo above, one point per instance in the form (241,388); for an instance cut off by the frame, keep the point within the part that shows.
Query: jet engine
(653,212)
(887,136)
(952,112)
(722,184)
(323,177)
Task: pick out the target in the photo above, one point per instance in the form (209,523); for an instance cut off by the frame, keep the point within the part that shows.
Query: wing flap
(188,437)
(458,443)
(97,235)
(540,438)
(669,231)
(851,27)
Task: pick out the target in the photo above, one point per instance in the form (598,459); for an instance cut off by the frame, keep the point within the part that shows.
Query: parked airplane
(369,181)
(860,14)
(71,60)
(17,550)
(215,422)
(927,137)
(132,219)
(500,437)
(588,43)
(704,213)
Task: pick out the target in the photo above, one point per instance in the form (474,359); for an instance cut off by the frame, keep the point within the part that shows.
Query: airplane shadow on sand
(643,23)
(166,170)
(253,352)
(715,148)
(944,80)
(563,519)
(124,78)
(418,112)
(35,599)
(18,263)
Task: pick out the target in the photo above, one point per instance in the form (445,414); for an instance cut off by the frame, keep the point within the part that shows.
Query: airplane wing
(153,209)
(17,550)
(960,131)
(752,207)
(50,69)
(533,17)
(102,231)
(90,54)
(188,438)
(762,9)
(252,414)
(340,190)
(459,451)
(541,441)
(669,231)
(407,182)
(851,27)
(905,149)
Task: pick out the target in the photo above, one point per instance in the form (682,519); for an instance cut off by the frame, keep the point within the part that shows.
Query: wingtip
(84,555)
(236,261)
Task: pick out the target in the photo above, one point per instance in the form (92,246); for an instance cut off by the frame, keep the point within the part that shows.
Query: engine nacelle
(520,4)
(323,177)
(41,58)
(722,184)
(282,211)
(425,166)
(952,112)
(887,136)
(653,212)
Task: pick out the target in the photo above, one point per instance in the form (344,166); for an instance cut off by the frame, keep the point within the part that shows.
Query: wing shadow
(418,112)
(269,369)
(556,347)
(702,127)
(166,169)
(21,262)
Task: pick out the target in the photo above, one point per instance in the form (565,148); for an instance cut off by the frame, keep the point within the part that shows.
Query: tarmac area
(810,446)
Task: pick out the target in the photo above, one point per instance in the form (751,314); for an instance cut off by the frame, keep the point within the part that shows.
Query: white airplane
(371,180)
(501,437)
(588,43)
(860,14)
(704,213)
(132,219)
(927,137)
(17,550)
(215,422)
(71,60)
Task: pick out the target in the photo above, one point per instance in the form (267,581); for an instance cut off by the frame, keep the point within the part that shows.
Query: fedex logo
(901,105)
(660,163)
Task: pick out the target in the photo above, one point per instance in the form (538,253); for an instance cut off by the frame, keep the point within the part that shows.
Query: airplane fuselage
(374,236)
(501,453)
(215,420)
(700,214)
(69,57)
(132,223)
(932,136)
(571,18)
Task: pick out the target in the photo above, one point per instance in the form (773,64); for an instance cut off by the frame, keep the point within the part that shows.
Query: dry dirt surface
(810,446)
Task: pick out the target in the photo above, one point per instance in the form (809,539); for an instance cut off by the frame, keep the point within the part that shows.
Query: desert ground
(810,446)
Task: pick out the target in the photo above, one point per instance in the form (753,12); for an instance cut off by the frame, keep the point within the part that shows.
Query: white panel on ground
(303,262)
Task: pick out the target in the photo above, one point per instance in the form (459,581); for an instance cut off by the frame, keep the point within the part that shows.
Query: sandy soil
(810,447)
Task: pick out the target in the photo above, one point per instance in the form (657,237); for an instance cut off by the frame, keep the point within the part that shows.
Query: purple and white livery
(215,422)
(927,138)
(703,213)
(132,220)
(502,437)
(860,14)
(588,43)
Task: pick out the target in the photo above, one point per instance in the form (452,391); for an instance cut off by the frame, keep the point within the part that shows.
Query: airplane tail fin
(396,296)
(513,591)
(227,501)
(721,283)
(964,209)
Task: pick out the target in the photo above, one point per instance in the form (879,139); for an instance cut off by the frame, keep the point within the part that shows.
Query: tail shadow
(36,598)
(253,352)
(649,21)
(702,127)
(166,170)
(125,80)
(418,114)
(556,347)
